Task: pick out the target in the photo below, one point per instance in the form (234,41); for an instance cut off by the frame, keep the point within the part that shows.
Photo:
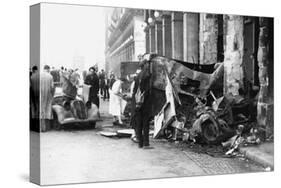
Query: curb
(257,156)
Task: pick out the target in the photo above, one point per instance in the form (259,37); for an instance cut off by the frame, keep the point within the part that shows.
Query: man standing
(106,88)
(111,80)
(92,79)
(34,99)
(46,98)
(102,82)
(143,106)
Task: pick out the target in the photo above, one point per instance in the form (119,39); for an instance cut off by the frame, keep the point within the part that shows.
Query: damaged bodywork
(194,107)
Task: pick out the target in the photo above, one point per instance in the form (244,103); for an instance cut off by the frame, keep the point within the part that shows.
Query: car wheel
(210,132)
(56,124)
(92,124)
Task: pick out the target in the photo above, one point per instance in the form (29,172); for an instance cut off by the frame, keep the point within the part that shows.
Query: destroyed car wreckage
(195,107)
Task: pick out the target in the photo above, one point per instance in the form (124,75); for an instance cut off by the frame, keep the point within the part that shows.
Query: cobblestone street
(71,156)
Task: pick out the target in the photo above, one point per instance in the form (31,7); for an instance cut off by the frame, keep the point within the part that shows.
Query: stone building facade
(125,37)
(244,44)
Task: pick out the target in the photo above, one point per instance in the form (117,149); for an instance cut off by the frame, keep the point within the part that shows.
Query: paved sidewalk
(262,154)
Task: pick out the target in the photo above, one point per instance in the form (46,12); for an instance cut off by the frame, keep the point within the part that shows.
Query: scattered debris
(239,140)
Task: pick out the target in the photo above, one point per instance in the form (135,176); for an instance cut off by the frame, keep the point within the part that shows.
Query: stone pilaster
(167,35)
(147,40)
(234,47)
(177,35)
(152,38)
(158,38)
(191,37)
(265,101)
(208,39)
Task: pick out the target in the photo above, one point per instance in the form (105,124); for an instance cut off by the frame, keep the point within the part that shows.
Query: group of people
(41,95)
(140,104)
(42,91)
(43,86)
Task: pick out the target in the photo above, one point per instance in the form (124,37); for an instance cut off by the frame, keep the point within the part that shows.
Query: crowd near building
(244,44)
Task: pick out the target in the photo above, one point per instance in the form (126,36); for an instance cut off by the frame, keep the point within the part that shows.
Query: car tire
(92,124)
(56,124)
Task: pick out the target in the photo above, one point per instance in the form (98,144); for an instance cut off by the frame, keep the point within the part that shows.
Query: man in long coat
(34,99)
(92,79)
(46,98)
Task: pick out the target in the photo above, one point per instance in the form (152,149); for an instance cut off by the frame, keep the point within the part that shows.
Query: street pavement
(76,156)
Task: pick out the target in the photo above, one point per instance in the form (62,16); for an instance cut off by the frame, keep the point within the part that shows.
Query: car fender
(61,113)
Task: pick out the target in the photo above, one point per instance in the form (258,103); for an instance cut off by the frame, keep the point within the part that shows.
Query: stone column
(234,47)
(167,35)
(158,38)
(208,38)
(147,39)
(177,35)
(152,38)
(146,31)
(191,37)
(265,101)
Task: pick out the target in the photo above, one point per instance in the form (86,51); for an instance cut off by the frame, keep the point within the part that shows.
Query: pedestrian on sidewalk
(92,80)
(35,99)
(133,90)
(102,82)
(46,98)
(116,102)
(106,88)
(143,105)
(111,80)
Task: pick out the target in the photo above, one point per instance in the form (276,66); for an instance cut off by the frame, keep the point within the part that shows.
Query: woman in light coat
(116,102)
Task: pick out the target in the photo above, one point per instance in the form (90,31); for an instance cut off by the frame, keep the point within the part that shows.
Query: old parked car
(77,112)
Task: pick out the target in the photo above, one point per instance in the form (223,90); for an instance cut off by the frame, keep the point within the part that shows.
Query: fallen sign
(107,133)
(120,133)
(125,132)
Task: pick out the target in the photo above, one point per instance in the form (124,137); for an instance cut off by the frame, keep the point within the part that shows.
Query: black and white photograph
(118,93)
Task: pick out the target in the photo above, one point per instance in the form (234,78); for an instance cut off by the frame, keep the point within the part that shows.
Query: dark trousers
(101,90)
(142,128)
(105,92)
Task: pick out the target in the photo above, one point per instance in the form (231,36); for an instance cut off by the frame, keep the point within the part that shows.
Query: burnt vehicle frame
(201,108)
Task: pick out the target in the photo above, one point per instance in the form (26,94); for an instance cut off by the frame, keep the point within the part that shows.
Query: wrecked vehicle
(194,105)
(74,112)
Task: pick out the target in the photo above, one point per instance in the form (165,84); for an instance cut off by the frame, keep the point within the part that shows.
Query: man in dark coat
(106,88)
(92,79)
(142,113)
(111,80)
(102,82)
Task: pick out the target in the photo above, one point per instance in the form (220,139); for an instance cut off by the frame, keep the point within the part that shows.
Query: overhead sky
(72,36)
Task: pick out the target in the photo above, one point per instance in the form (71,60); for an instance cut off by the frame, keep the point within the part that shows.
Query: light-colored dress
(46,95)
(116,103)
